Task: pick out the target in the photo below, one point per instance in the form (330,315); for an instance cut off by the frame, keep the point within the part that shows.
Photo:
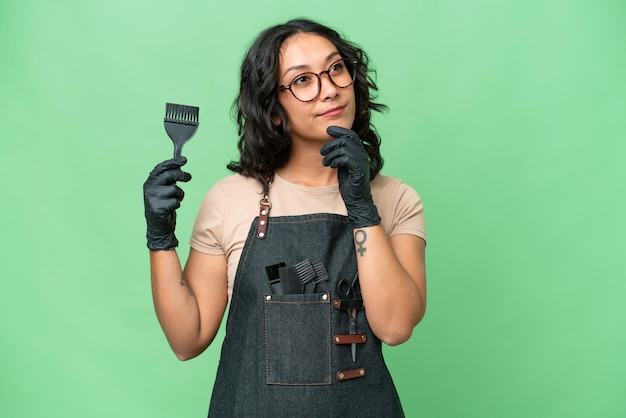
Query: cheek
(290,110)
(297,115)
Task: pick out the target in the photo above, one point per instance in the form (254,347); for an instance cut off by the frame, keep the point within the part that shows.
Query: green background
(506,116)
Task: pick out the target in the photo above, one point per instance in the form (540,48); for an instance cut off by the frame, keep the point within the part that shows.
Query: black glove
(346,153)
(161,198)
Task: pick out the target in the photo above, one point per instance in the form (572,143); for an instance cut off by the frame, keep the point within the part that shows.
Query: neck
(305,168)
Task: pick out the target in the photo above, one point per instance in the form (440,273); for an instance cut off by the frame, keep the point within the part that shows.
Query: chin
(342,123)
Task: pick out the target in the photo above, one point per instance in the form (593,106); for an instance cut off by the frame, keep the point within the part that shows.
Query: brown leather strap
(350,339)
(264,213)
(350,374)
(348,304)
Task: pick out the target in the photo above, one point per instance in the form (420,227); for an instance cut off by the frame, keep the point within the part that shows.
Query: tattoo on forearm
(184,282)
(360,236)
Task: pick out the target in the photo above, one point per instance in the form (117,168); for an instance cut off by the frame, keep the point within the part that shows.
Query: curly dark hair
(264,147)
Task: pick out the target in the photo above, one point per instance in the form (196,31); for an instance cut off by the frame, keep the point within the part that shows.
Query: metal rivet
(268,297)
(261,234)
(364,337)
(262,222)
(337,339)
(340,375)
(263,212)
(361,372)
(325,296)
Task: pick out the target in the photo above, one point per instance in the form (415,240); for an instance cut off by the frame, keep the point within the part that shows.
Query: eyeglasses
(306,88)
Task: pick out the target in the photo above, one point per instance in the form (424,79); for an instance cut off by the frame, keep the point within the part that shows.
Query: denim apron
(279,356)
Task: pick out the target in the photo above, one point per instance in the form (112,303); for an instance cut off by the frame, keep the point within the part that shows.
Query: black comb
(181,122)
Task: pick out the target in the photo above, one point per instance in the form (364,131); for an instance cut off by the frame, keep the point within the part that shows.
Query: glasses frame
(319,79)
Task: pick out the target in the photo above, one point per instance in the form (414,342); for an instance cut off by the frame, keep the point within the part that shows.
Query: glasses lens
(341,73)
(305,86)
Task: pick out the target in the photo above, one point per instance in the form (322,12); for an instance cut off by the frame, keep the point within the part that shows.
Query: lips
(333,111)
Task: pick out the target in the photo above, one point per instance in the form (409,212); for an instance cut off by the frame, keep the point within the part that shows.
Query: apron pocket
(297,339)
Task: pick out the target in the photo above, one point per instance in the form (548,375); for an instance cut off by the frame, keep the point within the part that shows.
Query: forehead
(305,49)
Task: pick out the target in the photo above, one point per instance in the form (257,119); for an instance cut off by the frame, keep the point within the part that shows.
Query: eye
(302,80)
(337,67)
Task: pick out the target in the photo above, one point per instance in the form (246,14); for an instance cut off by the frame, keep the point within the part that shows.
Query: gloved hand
(346,153)
(161,198)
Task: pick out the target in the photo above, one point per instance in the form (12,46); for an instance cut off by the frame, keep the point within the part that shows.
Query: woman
(321,257)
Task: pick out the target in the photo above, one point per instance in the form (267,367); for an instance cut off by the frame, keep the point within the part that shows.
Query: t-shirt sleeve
(409,218)
(402,207)
(208,229)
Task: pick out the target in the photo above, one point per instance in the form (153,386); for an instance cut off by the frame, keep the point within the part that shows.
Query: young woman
(320,256)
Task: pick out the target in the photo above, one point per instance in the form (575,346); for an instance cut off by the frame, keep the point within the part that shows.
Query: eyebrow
(304,66)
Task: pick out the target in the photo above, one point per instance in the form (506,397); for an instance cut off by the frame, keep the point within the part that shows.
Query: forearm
(393,293)
(175,304)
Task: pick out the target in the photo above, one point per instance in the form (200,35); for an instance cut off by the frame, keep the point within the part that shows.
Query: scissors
(350,290)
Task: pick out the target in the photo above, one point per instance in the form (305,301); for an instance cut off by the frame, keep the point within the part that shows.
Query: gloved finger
(165,192)
(337,131)
(351,141)
(337,158)
(172,176)
(165,207)
(178,194)
(344,137)
(333,145)
(168,165)
(168,177)
(350,154)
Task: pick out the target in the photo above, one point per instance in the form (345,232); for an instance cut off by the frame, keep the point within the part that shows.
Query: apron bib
(279,356)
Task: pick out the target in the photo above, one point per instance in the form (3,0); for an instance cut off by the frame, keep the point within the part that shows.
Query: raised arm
(190,304)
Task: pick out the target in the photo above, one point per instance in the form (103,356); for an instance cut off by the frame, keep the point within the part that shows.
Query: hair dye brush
(181,122)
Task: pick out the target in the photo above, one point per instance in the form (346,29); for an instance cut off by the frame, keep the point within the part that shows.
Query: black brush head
(177,113)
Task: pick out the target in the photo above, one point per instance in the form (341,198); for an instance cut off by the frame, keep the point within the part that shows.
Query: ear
(276,120)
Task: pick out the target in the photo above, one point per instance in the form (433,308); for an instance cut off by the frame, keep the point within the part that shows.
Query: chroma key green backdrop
(506,116)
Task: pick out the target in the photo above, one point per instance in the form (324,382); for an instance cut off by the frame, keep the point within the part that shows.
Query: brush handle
(178,149)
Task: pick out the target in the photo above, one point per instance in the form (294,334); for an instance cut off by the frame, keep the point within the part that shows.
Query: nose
(328,89)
